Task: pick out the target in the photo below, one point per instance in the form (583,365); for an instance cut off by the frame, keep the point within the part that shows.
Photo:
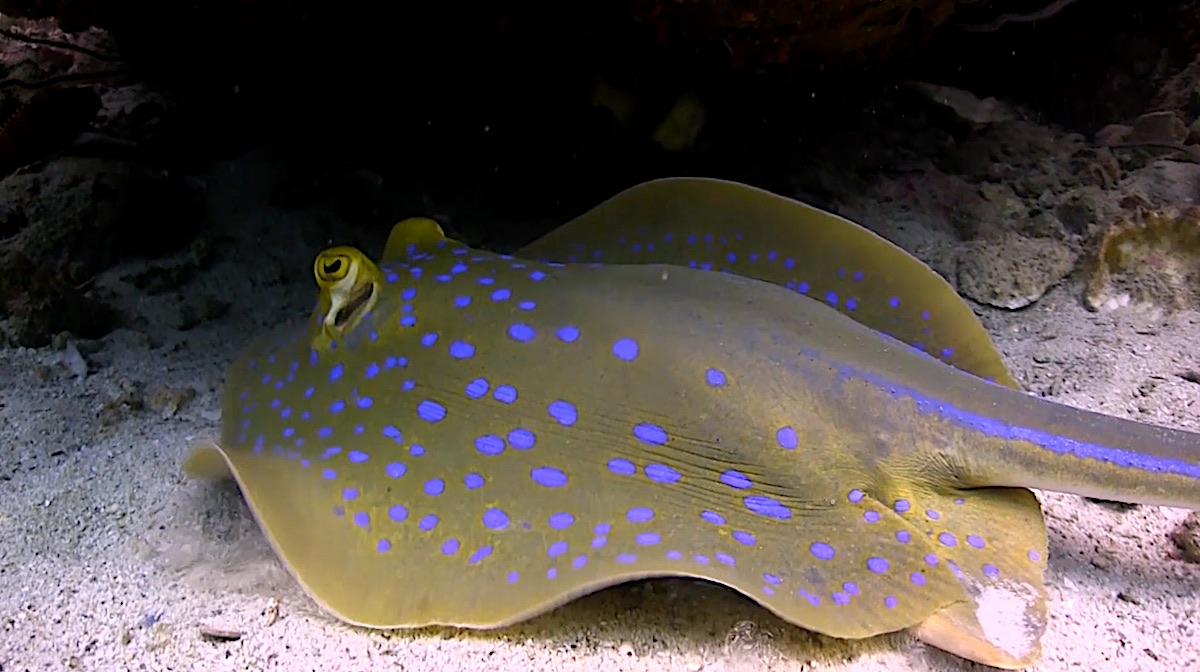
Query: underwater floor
(112,560)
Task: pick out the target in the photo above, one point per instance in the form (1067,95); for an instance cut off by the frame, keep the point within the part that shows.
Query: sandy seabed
(110,559)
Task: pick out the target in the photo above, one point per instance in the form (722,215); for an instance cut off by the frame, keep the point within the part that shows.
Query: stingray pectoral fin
(744,230)
(205,460)
(994,541)
(327,554)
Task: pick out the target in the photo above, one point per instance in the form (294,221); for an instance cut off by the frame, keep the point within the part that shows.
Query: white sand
(111,560)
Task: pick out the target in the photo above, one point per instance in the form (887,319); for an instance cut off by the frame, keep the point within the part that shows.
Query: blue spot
(461,350)
(990,570)
(431,411)
(357,456)
(626,558)
(568,334)
(661,473)
(505,394)
(622,466)
(527,305)
(878,565)
(458,268)
(409,294)
(724,558)
(871,516)
(674,555)
(462,301)
(548,477)
(365,402)
(501,294)
(831,298)
(786,437)
(736,479)
(626,349)
(408,321)
(514,576)
(495,519)
(337,406)
(821,550)
(856,496)
(521,332)
(947,539)
(429,522)
(602,528)
(429,339)
(564,412)
(435,487)
(361,518)
(715,377)
(473,481)
(894,302)
(556,549)
(712,517)
(479,555)
(521,438)
(392,433)
(745,538)
(579,561)
(652,434)
(477,388)
(901,506)
(975,541)
(903,536)
(350,494)
(537,276)
(917,578)
(947,353)
(489,444)
(395,469)
(840,598)
(561,520)
(648,538)
(335,372)
(640,514)
(851,304)
(450,547)
(372,370)
(383,546)
(766,506)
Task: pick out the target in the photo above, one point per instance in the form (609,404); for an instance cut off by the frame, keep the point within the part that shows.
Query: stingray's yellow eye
(332,267)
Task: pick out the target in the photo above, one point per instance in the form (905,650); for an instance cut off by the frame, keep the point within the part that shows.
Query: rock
(1158,128)
(1012,271)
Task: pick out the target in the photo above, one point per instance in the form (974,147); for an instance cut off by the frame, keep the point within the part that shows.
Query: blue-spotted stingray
(456,437)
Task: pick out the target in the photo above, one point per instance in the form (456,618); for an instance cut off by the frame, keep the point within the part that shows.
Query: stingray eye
(332,268)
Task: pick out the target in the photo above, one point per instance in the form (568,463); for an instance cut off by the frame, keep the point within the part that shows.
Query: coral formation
(1149,257)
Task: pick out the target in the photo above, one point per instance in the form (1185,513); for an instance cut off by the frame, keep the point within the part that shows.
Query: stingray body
(463,438)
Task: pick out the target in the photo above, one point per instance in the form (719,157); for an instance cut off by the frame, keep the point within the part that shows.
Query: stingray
(695,379)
